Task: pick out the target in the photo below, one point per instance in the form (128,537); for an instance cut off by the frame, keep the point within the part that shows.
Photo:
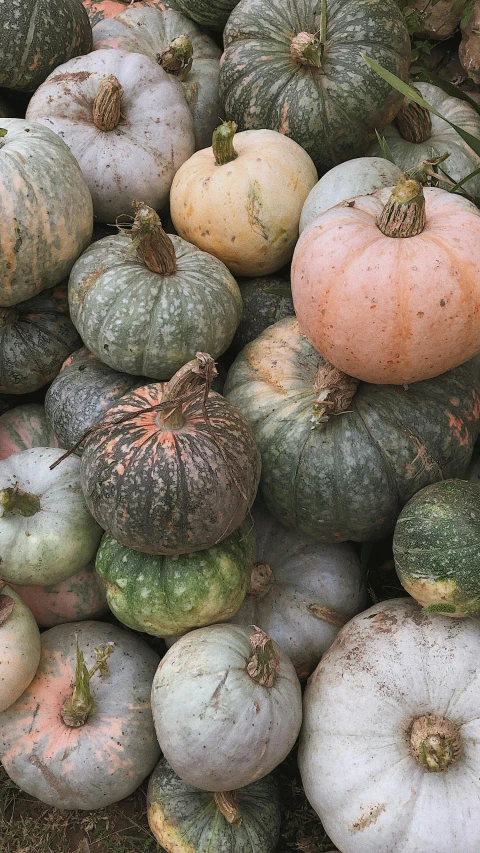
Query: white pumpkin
(46,531)
(390,746)
(19,647)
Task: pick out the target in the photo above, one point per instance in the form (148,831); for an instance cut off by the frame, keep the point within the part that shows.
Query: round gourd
(97,10)
(388,289)
(176,43)
(162,479)
(360,176)
(390,750)
(80,745)
(24,427)
(418,135)
(126,122)
(45,209)
(146,307)
(80,596)
(296,68)
(436,546)
(241,199)
(35,338)
(19,646)
(46,531)
(301,591)
(340,459)
(84,390)
(36,36)
(210,13)
(265,301)
(227,706)
(185,819)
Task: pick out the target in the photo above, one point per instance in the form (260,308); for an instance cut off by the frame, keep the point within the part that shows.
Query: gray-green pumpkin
(265,301)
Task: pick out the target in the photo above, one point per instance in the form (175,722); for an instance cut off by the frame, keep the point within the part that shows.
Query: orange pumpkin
(384,309)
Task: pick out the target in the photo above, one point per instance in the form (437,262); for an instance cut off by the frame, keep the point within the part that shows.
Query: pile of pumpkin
(351,403)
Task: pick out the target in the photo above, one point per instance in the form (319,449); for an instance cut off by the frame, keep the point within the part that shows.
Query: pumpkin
(418,135)
(23,427)
(35,338)
(176,43)
(227,706)
(167,472)
(360,176)
(148,311)
(80,596)
(19,646)
(301,591)
(86,747)
(126,122)
(296,68)
(265,301)
(390,752)
(46,531)
(469,49)
(211,13)
(340,459)
(241,199)
(392,310)
(185,819)
(97,10)
(164,595)
(45,208)
(84,390)
(37,36)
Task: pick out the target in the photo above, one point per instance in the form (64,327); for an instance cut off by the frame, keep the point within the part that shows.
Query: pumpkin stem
(264,662)
(152,245)
(414,122)
(222,143)
(435,742)
(404,212)
(191,376)
(77,708)
(226,803)
(261,579)
(334,392)
(14,499)
(328,615)
(106,105)
(426,169)
(305,48)
(177,57)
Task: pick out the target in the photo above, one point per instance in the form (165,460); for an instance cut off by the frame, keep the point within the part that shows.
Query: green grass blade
(385,148)
(464,180)
(424,76)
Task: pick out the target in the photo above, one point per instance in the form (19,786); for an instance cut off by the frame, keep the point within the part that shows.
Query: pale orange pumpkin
(385,309)
(242,198)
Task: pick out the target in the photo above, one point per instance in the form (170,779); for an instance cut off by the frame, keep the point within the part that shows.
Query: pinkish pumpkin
(24,427)
(78,597)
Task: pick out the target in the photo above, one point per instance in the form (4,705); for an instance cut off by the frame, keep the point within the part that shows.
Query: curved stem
(226,802)
(77,708)
(106,105)
(264,662)
(334,392)
(177,57)
(14,499)
(152,245)
(191,376)
(426,169)
(404,212)
(222,143)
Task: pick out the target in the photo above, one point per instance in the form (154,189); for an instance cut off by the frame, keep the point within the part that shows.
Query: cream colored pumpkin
(241,200)
(19,647)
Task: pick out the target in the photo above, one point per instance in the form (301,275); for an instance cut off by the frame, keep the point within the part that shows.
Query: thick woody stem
(186,380)
(106,105)
(152,245)
(264,663)
(404,212)
(435,742)
(334,392)
(77,707)
(177,57)
(226,802)
(414,122)
(222,143)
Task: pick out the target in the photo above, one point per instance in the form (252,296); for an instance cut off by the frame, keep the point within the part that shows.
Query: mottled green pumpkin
(289,68)
(23,427)
(167,595)
(185,819)
(345,471)
(265,301)
(211,13)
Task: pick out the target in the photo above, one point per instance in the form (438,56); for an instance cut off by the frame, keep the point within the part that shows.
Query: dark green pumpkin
(211,13)
(265,301)
(436,546)
(348,476)
(276,74)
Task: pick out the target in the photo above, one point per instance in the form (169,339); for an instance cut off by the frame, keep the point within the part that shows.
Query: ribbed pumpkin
(176,43)
(23,427)
(185,819)
(35,338)
(295,67)
(265,301)
(162,479)
(339,459)
(45,209)
(80,745)
(19,646)
(97,10)
(211,13)
(36,36)
(84,390)
(126,122)
(79,597)
(146,305)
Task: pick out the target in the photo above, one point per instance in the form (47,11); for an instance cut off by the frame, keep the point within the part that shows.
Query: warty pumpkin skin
(276,72)
(19,647)
(349,476)
(105,758)
(141,134)
(79,597)
(384,306)
(390,746)
(23,427)
(45,207)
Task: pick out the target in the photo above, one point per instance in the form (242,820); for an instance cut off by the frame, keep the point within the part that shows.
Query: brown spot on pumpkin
(383,621)
(327,614)
(442,303)
(257,707)
(88,283)
(370,815)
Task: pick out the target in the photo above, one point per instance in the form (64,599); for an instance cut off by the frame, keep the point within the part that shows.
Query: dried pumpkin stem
(425,170)
(77,708)
(264,662)
(188,379)
(261,579)
(435,742)
(404,212)
(222,143)
(14,499)
(305,49)
(177,57)
(152,245)
(334,392)
(106,105)
(226,803)
(414,122)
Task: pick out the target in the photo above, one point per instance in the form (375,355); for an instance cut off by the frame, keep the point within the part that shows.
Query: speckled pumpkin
(23,427)
(291,68)
(98,10)
(211,13)
(19,646)
(84,390)
(265,301)
(39,174)
(83,756)
(185,819)
(339,460)
(80,596)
